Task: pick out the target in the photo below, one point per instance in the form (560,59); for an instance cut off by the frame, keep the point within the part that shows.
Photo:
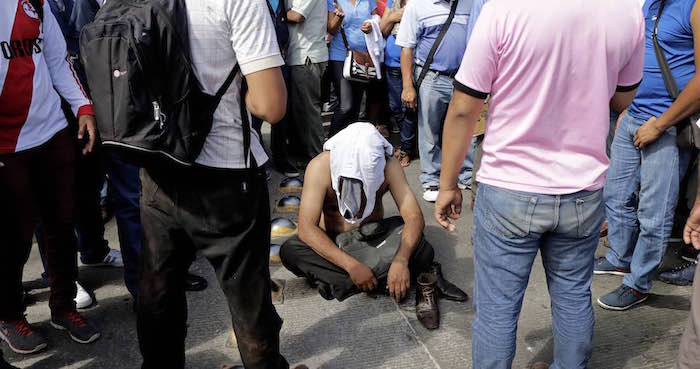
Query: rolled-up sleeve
(253,36)
(409,28)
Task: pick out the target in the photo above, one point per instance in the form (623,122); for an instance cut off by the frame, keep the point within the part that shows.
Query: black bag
(147,99)
(687,131)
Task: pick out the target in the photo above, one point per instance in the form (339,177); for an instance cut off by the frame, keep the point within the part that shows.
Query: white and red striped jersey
(34,70)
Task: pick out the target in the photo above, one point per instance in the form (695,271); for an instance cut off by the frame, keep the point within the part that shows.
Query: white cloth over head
(358,152)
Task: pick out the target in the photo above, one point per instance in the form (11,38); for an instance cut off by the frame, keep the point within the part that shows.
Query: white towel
(359,152)
(376,44)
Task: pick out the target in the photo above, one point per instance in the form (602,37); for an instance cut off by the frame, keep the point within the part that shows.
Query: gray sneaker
(78,329)
(20,336)
(622,298)
(603,266)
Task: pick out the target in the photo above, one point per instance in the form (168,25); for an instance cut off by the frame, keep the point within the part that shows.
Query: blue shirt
(676,39)
(421,23)
(392,53)
(355,15)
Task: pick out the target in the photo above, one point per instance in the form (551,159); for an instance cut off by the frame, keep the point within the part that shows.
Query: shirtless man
(328,214)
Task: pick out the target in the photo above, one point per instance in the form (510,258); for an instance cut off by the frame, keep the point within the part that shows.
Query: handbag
(687,131)
(358,65)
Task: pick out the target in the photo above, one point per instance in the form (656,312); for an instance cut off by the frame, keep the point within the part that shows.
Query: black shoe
(78,329)
(20,336)
(447,290)
(195,283)
(288,170)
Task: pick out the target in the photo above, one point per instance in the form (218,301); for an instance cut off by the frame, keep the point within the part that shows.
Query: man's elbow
(271,109)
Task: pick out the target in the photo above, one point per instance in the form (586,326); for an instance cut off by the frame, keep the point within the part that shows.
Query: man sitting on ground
(342,201)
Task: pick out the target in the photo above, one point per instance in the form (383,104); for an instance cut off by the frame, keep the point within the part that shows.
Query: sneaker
(288,170)
(688,253)
(112,259)
(20,336)
(464,186)
(430,194)
(681,276)
(603,266)
(78,329)
(622,298)
(82,298)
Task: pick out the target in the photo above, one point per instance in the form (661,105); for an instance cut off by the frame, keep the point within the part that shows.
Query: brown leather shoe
(427,310)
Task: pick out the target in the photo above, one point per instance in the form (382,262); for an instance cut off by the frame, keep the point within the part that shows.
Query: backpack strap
(436,44)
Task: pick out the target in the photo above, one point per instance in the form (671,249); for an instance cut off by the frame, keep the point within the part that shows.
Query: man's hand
(86,123)
(409,98)
(647,133)
(366,27)
(362,276)
(691,232)
(338,10)
(399,279)
(448,206)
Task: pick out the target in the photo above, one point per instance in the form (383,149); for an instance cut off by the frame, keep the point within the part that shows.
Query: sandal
(404,159)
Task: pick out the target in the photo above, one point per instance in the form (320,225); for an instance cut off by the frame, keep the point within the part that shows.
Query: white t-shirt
(223,33)
(308,39)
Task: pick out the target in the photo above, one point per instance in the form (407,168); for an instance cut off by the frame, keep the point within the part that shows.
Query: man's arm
(399,278)
(408,95)
(267,95)
(461,118)
(622,99)
(294,17)
(317,181)
(335,18)
(389,19)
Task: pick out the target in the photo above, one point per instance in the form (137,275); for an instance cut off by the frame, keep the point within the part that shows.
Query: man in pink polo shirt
(552,69)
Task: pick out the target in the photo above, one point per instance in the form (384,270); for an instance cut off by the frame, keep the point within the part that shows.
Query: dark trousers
(226,216)
(279,131)
(349,98)
(406,119)
(125,191)
(333,281)
(39,181)
(305,107)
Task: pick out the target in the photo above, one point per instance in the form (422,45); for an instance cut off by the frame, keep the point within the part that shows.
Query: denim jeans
(404,118)
(509,228)
(125,189)
(433,98)
(639,227)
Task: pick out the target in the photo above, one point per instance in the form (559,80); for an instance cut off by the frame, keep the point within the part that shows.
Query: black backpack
(147,99)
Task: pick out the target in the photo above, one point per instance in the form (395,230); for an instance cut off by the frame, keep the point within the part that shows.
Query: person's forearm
(411,235)
(457,134)
(294,17)
(687,103)
(407,67)
(387,23)
(334,23)
(319,241)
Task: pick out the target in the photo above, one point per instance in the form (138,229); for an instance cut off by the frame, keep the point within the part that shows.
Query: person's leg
(567,255)
(619,195)
(54,182)
(658,197)
(280,133)
(16,225)
(228,217)
(507,228)
(404,118)
(305,95)
(689,351)
(125,190)
(347,108)
(423,256)
(92,245)
(466,174)
(166,255)
(303,261)
(431,111)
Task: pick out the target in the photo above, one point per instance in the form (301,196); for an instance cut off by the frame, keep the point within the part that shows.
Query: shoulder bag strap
(436,44)
(669,80)
(345,38)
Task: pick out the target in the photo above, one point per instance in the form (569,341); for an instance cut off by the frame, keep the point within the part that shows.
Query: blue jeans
(404,118)
(433,98)
(509,228)
(639,227)
(125,187)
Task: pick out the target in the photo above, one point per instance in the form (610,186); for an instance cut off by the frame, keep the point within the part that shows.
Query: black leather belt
(446,74)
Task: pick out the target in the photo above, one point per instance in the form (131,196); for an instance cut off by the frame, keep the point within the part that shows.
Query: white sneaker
(82,298)
(113,259)
(464,186)
(430,194)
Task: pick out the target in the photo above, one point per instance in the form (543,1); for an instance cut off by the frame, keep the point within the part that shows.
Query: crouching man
(345,246)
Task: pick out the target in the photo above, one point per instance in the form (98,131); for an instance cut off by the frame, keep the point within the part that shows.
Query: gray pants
(689,353)
(305,107)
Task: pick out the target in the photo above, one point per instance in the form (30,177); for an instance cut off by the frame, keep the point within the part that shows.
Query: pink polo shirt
(551,68)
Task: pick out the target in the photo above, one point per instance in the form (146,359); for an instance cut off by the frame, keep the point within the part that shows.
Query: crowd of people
(585,134)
